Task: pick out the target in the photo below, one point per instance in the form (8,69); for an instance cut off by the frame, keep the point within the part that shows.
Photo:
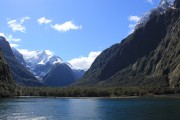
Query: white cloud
(32,53)
(150,1)
(2,34)
(13,41)
(14,45)
(27,53)
(17,24)
(84,62)
(44,20)
(134,20)
(69,25)
(24,18)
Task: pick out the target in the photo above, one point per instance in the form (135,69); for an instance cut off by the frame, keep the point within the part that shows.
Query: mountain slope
(60,75)
(150,56)
(20,74)
(19,56)
(7,85)
(40,62)
(44,62)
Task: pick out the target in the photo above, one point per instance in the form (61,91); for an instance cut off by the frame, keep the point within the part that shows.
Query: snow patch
(162,7)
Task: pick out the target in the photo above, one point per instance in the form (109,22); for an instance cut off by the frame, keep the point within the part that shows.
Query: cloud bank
(84,62)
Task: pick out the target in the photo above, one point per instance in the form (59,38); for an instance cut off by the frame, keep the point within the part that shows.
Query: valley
(146,62)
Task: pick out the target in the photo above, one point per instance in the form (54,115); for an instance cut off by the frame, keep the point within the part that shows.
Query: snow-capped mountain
(162,7)
(41,63)
(38,62)
(41,58)
(164,4)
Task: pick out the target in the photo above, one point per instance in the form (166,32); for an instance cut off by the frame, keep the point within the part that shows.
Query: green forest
(85,91)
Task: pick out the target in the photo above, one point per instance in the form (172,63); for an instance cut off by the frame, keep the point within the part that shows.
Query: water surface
(90,109)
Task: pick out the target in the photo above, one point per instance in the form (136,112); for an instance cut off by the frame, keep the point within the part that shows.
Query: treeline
(93,91)
(10,90)
(7,90)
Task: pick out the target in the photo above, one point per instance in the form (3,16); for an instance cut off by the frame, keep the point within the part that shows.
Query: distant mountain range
(30,71)
(148,57)
(49,68)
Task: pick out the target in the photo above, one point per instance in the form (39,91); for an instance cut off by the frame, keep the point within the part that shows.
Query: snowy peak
(164,4)
(162,7)
(42,57)
(39,62)
(54,60)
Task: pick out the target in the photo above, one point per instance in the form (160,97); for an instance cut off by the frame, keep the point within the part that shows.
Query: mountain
(162,7)
(19,56)
(60,75)
(43,64)
(148,57)
(78,73)
(7,85)
(20,74)
(39,63)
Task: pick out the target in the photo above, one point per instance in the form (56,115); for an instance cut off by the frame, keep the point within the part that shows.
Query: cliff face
(7,85)
(150,56)
(19,73)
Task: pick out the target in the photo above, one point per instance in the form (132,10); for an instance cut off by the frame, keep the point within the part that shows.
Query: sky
(75,30)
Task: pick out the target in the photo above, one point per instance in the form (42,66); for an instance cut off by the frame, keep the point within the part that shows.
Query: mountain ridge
(147,57)
(20,74)
(60,75)
(44,64)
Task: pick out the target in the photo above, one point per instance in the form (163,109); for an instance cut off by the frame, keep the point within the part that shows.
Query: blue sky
(70,28)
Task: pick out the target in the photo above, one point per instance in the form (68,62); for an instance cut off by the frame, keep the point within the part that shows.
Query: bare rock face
(148,57)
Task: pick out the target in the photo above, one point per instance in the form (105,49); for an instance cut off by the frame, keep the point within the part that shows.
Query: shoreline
(111,97)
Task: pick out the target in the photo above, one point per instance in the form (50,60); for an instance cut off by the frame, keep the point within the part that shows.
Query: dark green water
(90,109)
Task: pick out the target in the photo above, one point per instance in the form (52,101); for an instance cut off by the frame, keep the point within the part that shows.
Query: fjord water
(90,109)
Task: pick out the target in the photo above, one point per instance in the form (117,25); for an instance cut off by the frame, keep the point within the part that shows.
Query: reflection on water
(90,109)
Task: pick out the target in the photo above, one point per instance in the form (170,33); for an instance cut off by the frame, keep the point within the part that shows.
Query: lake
(90,109)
